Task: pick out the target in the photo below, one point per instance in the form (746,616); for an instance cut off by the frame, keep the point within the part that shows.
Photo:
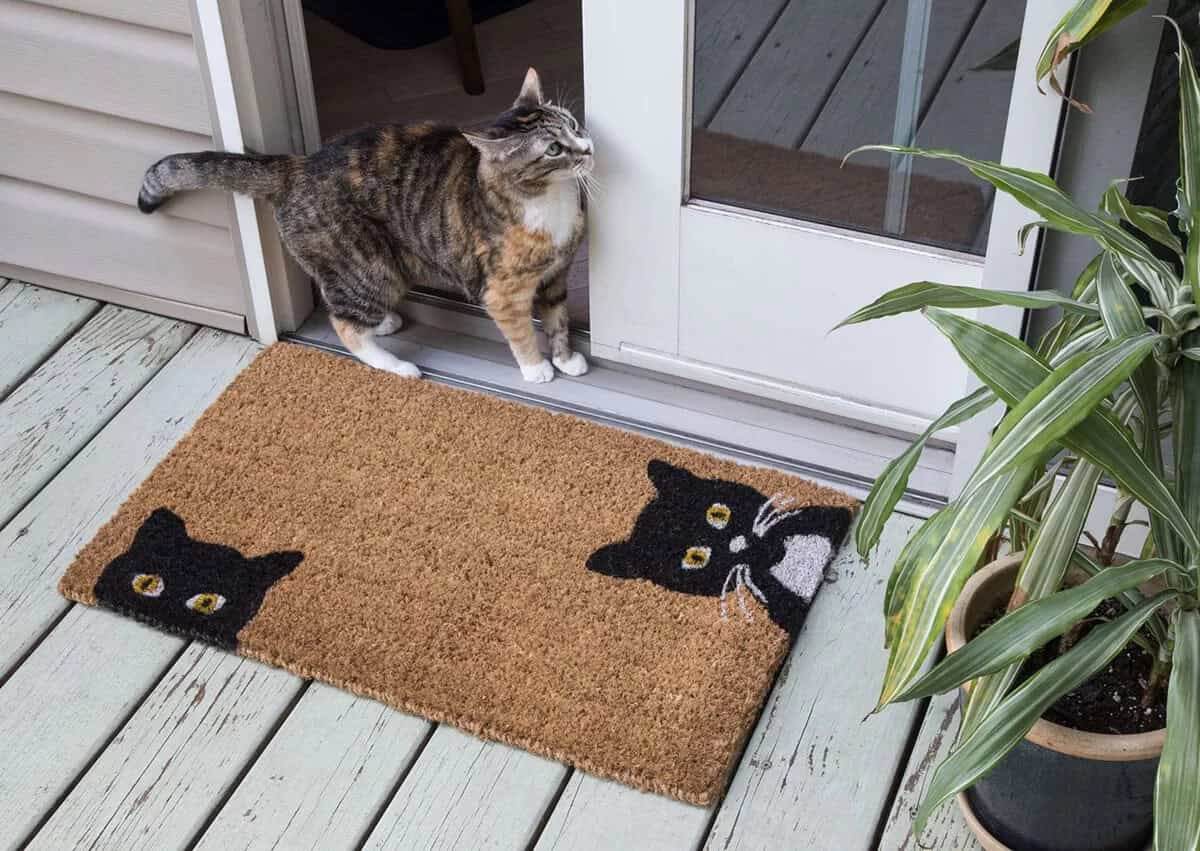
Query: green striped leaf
(1042,195)
(1060,402)
(1087,338)
(1151,221)
(1129,599)
(1008,366)
(890,484)
(1186,440)
(1082,23)
(1049,555)
(1176,801)
(1041,574)
(1023,631)
(932,585)
(1086,278)
(1025,231)
(924,294)
(1146,275)
(915,554)
(1003,729)
(1189,162)
(1122,316)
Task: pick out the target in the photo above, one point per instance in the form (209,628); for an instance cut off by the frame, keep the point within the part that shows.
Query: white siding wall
(92,92)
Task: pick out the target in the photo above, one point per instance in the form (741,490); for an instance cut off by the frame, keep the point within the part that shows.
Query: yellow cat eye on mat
(205,604)
(696,557)
(718,515)
(148,584)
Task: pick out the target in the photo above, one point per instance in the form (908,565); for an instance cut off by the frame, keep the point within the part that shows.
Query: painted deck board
(154,785)
(465,793)
(33,323)
(946,830)
(861,110)
(69,398)
(63,704)
(782,90)
(814,775)
(326,772)
(954,120)
(727,34)
(43,538)
(56,713)
(600,815)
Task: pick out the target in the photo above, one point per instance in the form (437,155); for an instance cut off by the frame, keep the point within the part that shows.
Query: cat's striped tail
(251,174)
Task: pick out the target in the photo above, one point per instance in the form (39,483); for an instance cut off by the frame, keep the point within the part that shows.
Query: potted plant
(1112,391)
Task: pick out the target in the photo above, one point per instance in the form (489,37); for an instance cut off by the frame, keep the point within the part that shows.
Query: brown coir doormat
(576,590)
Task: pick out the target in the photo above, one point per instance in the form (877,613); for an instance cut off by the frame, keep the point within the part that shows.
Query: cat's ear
(278,565)
(668,477)
(162,525)
(616,560)
(531,91)
(493,149)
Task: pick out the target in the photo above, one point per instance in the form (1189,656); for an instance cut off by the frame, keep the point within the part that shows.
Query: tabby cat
(495,211)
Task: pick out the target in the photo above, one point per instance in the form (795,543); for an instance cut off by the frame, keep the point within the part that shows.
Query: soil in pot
(1113,701)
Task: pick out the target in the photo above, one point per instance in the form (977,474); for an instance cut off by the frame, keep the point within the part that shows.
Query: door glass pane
(783,89)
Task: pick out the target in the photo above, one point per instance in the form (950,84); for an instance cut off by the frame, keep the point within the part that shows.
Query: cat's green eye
(554,149)
(696,558)
(205,604)
(718,515)
(148,584)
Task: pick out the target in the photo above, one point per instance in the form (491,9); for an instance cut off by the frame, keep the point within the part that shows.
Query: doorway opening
(373,65)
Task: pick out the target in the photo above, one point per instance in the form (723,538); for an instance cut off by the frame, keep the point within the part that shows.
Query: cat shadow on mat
(194,588)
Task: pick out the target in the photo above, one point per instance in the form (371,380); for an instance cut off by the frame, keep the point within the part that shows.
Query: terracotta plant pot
(1060,789)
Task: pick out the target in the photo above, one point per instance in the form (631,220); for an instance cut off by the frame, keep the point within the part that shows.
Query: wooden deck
(116,736)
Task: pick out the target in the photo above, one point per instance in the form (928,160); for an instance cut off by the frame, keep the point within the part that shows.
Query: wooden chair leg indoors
(462,30)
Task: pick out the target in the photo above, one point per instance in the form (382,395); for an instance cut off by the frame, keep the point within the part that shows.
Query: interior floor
(358,84)
(116,735)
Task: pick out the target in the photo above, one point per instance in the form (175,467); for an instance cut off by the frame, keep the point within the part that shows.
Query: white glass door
(728,239)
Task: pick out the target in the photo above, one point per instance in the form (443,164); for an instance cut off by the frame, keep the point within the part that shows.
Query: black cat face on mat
(206,591)
(724,539)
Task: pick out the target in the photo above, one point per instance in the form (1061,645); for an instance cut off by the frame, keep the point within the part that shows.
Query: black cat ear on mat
(162,523)
(615,560)
(278,564)
(667,476)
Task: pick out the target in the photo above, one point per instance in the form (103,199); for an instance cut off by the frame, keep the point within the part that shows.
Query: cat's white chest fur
(555,211)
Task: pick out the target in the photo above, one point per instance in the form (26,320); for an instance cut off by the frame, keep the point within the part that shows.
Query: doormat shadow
(579,591)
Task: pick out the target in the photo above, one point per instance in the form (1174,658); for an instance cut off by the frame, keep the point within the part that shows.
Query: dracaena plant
(1096,398)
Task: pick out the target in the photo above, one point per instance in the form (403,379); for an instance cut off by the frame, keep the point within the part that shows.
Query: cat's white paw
(538,373)
(404,369)
(391,323)
(576,364)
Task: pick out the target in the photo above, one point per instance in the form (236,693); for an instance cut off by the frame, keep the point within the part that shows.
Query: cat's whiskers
(739,575)
(734,572)
(587,181)
(771,512)
(749,583)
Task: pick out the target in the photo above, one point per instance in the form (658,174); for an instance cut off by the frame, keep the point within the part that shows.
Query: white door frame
(245,59)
